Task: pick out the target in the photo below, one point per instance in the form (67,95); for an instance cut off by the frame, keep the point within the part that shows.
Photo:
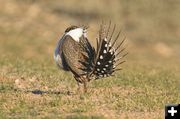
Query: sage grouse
(74,53)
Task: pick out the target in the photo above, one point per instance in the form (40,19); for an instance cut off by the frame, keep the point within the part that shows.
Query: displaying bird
(74,53)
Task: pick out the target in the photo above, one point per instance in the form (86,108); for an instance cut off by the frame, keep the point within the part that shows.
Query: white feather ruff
(76,33)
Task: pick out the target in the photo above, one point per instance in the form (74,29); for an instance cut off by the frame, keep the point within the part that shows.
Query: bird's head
(76,32)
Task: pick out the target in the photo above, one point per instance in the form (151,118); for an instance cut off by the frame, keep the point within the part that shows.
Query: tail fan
(109,54)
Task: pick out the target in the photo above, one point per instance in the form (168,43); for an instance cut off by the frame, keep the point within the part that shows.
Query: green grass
(132,90)
(31,86)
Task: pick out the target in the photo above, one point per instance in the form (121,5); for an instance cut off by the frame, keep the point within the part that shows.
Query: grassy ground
(31,86)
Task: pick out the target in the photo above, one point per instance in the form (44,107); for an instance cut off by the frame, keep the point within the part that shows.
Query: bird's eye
(85,31)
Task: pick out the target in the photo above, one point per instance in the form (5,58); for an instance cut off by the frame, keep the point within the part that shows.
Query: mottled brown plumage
(75,53)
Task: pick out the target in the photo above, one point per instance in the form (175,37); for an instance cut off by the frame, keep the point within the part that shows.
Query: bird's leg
(78,89)
(83,81)
(85,85)
(78,83)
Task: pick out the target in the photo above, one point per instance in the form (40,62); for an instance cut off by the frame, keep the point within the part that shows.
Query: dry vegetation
(31,86)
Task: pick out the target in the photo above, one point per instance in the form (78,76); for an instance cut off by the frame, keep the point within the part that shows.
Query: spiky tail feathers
(109,53)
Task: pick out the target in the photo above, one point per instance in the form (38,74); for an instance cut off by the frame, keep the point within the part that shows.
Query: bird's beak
(85,29)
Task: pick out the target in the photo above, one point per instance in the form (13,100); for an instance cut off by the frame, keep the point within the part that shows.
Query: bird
(74,53)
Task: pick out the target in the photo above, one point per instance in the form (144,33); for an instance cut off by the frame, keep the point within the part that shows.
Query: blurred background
(31,28)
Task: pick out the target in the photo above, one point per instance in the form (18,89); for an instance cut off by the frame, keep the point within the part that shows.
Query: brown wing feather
(72,52)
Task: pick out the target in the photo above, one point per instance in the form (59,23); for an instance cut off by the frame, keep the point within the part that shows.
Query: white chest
(75,34)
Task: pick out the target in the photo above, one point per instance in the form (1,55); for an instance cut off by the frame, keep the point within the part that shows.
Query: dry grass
(31,86)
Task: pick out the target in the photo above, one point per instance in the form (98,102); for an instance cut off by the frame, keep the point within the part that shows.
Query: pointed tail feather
(106,53)
(105,59)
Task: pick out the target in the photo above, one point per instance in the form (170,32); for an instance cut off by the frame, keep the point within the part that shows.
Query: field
(31,85)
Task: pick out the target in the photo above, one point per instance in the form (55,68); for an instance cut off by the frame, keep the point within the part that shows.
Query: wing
(60,61)
(88,54)
(72,52)
(109,52)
